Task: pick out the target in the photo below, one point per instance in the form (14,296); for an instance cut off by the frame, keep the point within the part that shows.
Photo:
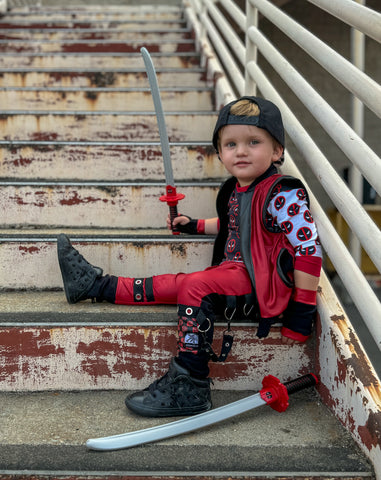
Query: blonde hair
(245,108)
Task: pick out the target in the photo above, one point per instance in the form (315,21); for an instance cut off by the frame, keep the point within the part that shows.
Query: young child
(266,261)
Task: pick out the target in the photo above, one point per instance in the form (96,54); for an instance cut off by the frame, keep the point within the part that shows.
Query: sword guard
(171,197)
(274,393)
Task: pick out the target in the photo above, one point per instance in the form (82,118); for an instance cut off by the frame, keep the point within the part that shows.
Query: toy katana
(273,393)
(172,197)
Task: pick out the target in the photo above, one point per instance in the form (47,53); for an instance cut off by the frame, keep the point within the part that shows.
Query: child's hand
(180,220)
(289,341)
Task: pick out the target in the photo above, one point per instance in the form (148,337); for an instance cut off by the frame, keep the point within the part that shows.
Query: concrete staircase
(80,154)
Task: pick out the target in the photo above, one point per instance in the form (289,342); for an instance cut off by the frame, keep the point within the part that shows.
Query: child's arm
(301,311)
(209,226)
(290,209)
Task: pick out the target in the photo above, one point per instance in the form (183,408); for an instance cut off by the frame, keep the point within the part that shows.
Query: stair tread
(306,438)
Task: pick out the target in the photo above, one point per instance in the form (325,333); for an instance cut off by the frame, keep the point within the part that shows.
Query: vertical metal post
(251,49)
(355,178)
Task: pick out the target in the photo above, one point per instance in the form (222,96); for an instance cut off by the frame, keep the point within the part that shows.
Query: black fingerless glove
(299,317)
(190,228)
(264,326)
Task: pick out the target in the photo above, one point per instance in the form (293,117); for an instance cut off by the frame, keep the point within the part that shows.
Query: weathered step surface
(88,46)
(95,60)
(96,34)
(126,161)
(98,204)
(24,254)
(90,126)
(105,98)
(45,434)
(122,78)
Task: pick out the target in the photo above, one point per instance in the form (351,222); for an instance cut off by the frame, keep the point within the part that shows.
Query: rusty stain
(178,249)
(358,361)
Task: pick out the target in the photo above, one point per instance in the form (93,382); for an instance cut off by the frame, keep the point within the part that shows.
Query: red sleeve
(308,264)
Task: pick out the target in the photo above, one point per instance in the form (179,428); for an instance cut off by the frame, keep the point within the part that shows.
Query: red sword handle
(172,198)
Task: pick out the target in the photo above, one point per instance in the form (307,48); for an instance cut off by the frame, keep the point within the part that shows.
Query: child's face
(247,151)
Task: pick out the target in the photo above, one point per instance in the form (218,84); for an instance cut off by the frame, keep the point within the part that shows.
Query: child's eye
(254,142)
(230,144)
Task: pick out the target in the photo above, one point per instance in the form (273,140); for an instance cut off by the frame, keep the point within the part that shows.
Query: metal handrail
(358,16)
(241,69)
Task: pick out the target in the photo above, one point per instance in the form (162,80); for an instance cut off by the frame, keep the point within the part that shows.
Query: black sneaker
(176,393)
(77,274)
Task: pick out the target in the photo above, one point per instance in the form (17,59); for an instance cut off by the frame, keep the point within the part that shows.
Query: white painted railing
(237,48)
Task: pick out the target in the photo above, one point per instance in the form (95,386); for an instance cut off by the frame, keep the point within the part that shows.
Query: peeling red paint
(371,432)
(18,348)
(75,199)
(28,250)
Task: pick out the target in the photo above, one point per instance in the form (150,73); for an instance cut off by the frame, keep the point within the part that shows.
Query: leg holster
(195,329)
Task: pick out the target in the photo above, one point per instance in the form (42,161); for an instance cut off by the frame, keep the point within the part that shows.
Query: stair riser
(96,46)
(76,61)
(101,79)
(106,127)
(122,163)
(97,34)
(111,14)
(131,357)
(113,101)
(122,24)
(107,206)
(34,264)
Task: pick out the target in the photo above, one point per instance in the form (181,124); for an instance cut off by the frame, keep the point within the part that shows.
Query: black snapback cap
(269,119)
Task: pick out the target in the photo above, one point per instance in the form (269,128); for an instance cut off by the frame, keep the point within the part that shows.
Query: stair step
(96,12)
(102,98)
(75,61)
(127,161)
(83,46)
(127,78)
(88,23)
(305,442)
(119,252)
(90,126)
(99,204)
(104,346)
(95,34)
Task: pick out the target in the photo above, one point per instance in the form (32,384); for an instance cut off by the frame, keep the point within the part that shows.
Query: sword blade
(161,432)
(152,79)
(273,393)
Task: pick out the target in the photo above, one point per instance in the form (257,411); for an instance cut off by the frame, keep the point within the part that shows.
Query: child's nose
(241,149)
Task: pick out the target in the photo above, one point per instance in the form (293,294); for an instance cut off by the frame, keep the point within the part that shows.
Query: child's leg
(202,295)
(159,289)
(83,281)
(185,388)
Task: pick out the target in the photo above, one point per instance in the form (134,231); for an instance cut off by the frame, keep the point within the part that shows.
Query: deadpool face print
(304,234)
(307,251)
(287,227)
(277,189)
(293,209)
(279,202)
(231,245)
(307,216)
(301,194)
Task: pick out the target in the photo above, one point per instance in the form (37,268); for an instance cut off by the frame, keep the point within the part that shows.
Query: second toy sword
(171,197)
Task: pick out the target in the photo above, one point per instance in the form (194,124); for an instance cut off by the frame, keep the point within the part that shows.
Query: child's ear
(277,153)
